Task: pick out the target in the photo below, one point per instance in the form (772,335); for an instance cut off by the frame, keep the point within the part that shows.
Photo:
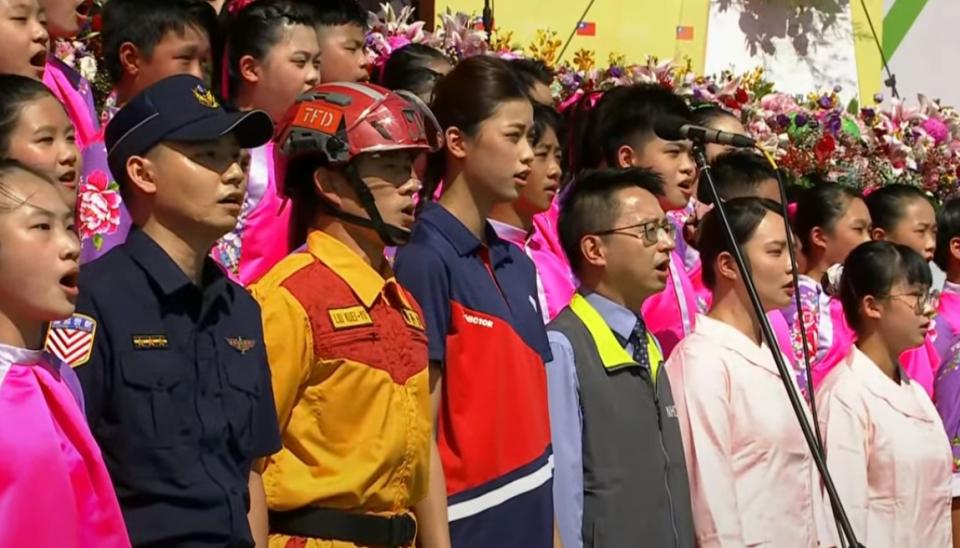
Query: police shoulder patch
(71,340)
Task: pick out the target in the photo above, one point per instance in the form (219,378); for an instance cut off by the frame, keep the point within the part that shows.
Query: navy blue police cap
(179,108)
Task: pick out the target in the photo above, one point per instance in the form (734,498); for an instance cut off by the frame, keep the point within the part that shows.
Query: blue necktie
(638,337)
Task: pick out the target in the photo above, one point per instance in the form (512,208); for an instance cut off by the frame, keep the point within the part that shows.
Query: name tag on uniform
(150,342)
(344,318)
(412,319)
(671,411)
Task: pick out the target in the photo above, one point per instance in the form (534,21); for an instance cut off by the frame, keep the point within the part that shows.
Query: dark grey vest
(636,492)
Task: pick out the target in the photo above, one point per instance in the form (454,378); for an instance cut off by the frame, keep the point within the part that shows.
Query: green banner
(897,23)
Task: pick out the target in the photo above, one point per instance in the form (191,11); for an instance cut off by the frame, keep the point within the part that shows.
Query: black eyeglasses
(650,231)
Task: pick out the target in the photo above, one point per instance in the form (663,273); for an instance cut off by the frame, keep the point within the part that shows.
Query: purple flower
(825,101)
(834,123)
(868,114)
(800,120)
(616,72)
(783,120)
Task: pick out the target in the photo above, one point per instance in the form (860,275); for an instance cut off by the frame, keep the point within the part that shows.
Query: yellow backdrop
(649,27)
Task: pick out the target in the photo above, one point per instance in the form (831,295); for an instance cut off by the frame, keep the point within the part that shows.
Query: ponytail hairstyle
(821,205)
(15,92)
(464,99)
(408,68)
(873,268)
(887,204)
(745,216)
(252,28)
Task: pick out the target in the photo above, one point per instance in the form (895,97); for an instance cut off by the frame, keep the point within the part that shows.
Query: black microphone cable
(891,80)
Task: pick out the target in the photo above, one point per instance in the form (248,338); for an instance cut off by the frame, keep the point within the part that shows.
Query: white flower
(88,68)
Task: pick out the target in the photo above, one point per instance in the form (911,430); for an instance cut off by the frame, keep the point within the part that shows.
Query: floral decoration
(98,207)
(813,136)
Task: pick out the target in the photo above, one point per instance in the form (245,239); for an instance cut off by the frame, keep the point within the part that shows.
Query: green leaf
(97,241)
(113,186)
(854,107)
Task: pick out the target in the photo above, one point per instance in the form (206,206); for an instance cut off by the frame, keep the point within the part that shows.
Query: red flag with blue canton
(585,28)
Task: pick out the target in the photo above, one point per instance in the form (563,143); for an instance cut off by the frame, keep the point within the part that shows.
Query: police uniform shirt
(177,393)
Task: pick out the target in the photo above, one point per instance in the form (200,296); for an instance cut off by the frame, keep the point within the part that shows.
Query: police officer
(173,364)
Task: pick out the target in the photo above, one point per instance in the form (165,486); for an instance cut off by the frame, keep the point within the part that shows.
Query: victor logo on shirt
(476,320)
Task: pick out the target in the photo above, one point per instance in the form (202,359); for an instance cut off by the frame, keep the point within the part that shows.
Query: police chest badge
(71,340)
(241,345)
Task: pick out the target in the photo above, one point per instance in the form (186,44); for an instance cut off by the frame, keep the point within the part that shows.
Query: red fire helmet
(339,121)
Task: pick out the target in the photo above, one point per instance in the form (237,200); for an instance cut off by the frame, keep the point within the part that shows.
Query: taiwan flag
(586,28)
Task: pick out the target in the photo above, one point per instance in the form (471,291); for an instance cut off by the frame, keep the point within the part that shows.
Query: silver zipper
(666,457)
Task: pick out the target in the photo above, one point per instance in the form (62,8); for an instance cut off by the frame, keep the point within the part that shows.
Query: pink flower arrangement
(98,209)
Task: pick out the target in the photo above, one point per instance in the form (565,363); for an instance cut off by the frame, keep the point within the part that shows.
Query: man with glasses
(620,477)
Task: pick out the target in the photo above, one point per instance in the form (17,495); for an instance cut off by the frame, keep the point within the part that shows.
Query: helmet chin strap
(389,234)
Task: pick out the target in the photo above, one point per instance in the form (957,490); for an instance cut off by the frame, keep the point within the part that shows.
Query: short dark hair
(821,205)
(948,228)
(333,13)
(15,92)
(532,71)
(626,115)
(737,174)
(144,24)
(745,215)
(589,205)
(706,114)
(873,268)
(406,68)
(253,30)
(544,118)
(887,204)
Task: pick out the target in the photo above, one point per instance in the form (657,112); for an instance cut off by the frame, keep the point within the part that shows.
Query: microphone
(678,129)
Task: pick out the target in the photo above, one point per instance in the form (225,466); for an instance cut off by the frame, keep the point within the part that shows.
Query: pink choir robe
(111,218)
(752,478)
(889,455)
(947,383)
(555,281)
(261,236)
(671,314)
(54,487)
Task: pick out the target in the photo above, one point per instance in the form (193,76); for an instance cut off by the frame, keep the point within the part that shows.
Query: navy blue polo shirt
(484,327)
(178,394)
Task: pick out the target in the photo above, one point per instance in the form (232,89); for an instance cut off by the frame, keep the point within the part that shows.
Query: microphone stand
(844,526)
(488,20)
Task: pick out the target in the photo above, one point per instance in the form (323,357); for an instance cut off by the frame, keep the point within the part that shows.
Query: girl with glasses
(884,441)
